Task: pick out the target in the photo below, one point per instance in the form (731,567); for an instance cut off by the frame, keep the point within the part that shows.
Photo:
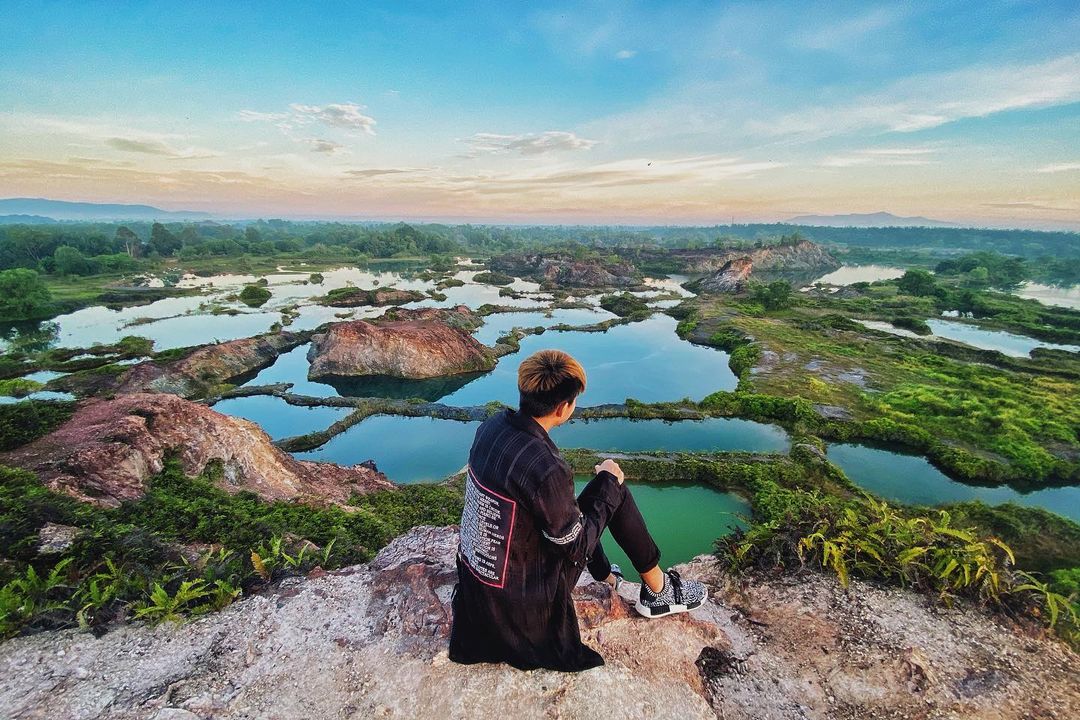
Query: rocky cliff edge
(370,641)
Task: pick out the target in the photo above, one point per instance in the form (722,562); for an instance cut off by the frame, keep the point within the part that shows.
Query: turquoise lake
(428,449)
(912,479)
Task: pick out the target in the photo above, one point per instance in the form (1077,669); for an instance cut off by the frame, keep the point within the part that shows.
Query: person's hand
(612,467)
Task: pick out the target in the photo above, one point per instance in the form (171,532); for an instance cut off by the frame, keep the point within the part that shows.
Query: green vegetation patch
(25,421)
(862,537)
(1014,422)
(19,387)
(626,306)
(493,278)
(186,547)
(254,295)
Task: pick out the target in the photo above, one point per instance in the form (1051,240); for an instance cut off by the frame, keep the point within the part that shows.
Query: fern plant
(162,606)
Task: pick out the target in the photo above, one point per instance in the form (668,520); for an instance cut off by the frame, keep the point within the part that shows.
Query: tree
(774,296)
(162,241)
(129,240)
(251,234)
(23,295)
(917,282)
(69,261)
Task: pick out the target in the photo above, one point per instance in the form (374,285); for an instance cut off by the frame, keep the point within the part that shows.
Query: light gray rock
(370,641)
(53,538)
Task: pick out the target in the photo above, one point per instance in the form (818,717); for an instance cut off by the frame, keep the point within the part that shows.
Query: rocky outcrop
(804,256)
(198,373)
(564,270)
(408,345)
(730,278)
(355,297)
(108,449)
(370,641)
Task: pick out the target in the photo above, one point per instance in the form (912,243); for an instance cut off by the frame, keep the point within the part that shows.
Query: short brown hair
(547,378)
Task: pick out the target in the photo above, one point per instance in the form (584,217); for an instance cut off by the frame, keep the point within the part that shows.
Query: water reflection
(1067,296)
(280,419)
(851,274)
(645,360)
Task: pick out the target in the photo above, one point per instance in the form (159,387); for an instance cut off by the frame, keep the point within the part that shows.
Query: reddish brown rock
(194,375)
(109,448)
(566,271)
(409,344)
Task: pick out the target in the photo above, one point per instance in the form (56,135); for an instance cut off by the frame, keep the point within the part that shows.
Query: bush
(868,539)
(919,283)
(915,325)
(493,278)
(254,295)
(776,295)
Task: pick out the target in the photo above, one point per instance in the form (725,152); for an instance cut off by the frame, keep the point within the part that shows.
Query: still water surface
(912,479)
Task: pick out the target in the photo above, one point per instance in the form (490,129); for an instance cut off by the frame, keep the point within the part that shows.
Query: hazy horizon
(607,113)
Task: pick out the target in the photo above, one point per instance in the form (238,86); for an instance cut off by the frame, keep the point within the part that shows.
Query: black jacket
(524,542)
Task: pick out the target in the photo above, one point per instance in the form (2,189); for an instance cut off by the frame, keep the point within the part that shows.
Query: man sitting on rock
(525,539)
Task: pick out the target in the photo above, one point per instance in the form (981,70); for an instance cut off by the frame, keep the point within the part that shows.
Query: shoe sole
(660,611)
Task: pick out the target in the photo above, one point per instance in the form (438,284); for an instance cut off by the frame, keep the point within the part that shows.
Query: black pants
(627,527)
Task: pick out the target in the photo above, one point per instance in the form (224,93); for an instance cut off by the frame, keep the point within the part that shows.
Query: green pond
(683,519)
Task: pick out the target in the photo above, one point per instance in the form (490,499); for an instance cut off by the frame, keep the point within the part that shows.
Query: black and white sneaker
(677,596)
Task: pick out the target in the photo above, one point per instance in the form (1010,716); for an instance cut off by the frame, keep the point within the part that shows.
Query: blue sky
(534,112)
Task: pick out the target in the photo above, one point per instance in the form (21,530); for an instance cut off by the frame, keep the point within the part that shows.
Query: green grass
(1013,421)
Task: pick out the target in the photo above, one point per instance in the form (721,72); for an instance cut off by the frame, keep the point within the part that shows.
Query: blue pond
(912,479)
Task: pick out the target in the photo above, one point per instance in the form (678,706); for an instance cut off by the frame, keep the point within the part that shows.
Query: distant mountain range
(42,210)
(878,219)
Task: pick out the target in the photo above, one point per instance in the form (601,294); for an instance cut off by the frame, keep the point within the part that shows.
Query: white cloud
(346,116)
(719,110)
(157,147)
(896,156)
(697,172)
(328,147)
(528,143)
(340,115)
(842,34)
(1058,167)
(256,116)
(927,101)
(625,54)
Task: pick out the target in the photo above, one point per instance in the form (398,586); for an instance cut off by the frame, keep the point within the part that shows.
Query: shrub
(493,278)
(254,295)
(867,538)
